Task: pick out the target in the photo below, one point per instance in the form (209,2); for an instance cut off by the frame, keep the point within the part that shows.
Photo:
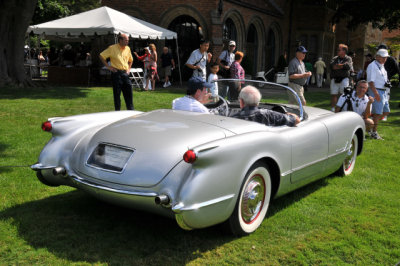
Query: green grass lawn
(336,220)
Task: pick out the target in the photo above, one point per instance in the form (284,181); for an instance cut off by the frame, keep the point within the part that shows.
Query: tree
(15,16)
(382,14)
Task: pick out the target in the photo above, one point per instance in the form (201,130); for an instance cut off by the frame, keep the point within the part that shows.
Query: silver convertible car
(201,169)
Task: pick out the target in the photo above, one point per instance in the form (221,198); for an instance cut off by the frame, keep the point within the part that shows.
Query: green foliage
(335,221)
(47,10)
(372,47)
(381,13)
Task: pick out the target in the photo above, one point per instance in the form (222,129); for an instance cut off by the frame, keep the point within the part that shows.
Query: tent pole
(179,63)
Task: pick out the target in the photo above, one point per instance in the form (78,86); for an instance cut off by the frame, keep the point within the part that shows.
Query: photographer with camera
(357,101)
(340,65)
(198,60)
(378,82)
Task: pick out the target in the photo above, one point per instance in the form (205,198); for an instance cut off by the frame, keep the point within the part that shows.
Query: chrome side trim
(119,191)
(39,166)
(181,207)
(342,150)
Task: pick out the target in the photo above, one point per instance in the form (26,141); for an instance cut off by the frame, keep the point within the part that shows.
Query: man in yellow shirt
(121,61)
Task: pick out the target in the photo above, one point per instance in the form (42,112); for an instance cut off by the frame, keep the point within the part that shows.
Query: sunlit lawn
(350,220)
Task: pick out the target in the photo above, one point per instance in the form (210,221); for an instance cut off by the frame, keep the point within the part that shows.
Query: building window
(271,48)
(251,61)
(189,34)
(229,30)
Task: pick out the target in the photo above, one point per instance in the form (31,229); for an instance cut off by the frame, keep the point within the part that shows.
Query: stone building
(263,30)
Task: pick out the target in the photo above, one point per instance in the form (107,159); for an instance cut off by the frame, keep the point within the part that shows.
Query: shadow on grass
(49,92)
(77,227)
(296,195)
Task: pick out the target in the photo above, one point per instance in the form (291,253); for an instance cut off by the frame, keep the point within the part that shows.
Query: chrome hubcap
(253,199)
(349,158)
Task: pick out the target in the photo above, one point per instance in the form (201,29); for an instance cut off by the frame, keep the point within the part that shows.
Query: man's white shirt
(359,104)
(188,103)
(376,73)
(201,60)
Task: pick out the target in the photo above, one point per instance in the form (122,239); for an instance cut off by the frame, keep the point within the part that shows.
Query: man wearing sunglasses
(360,103)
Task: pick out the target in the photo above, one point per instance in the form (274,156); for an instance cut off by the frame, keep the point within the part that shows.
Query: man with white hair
(249,98)
(378,82)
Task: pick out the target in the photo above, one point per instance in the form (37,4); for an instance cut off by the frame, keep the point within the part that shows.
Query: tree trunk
(15,16)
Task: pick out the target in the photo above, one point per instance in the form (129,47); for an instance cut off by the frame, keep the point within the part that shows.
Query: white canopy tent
(102,21)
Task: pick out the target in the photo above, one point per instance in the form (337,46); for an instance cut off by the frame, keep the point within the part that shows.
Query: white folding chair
(137,77)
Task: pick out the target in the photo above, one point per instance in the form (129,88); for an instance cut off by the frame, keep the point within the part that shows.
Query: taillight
(46,126)
(190,156)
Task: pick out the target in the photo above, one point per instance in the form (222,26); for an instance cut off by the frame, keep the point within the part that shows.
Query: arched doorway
(189,34)
(271,49)
(229,31)
(251,61)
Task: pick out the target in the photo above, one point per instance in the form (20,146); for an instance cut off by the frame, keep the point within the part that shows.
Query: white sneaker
(384,118)
(168,84)
(165,85)
(333,109)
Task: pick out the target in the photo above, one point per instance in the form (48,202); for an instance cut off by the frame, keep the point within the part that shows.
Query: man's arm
(296,117)
(371,85)
(367,112)
(103,60)
(300,76)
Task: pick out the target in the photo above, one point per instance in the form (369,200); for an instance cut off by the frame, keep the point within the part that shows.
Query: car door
(310,147)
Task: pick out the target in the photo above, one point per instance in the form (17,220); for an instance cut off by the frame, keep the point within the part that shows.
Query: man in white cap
(298,75)
(227,57)
(225,60)
(378,82)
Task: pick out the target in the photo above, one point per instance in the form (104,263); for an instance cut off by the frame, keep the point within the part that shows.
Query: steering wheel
(279,108)
(222,107)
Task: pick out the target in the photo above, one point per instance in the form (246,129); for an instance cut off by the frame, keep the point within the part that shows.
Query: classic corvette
(202,169)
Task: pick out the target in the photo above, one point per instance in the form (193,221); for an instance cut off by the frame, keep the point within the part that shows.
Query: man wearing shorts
(378,81)
(298,75)
(167,64)
(341,65)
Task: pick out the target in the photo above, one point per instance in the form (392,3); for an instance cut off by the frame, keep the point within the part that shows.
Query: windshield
(277,97)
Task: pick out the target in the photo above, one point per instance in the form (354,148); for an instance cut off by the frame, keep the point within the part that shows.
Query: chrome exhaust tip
(59,171)
(162,200)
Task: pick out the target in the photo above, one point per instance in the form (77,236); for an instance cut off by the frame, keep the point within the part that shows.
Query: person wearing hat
(392,68)
(391,65)
(121,62)
(341,65)
(378,82)
(197,96)
(225,60)
(298,75)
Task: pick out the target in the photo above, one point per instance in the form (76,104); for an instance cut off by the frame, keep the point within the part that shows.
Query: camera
(388,85)
(200,71)
(348,91)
